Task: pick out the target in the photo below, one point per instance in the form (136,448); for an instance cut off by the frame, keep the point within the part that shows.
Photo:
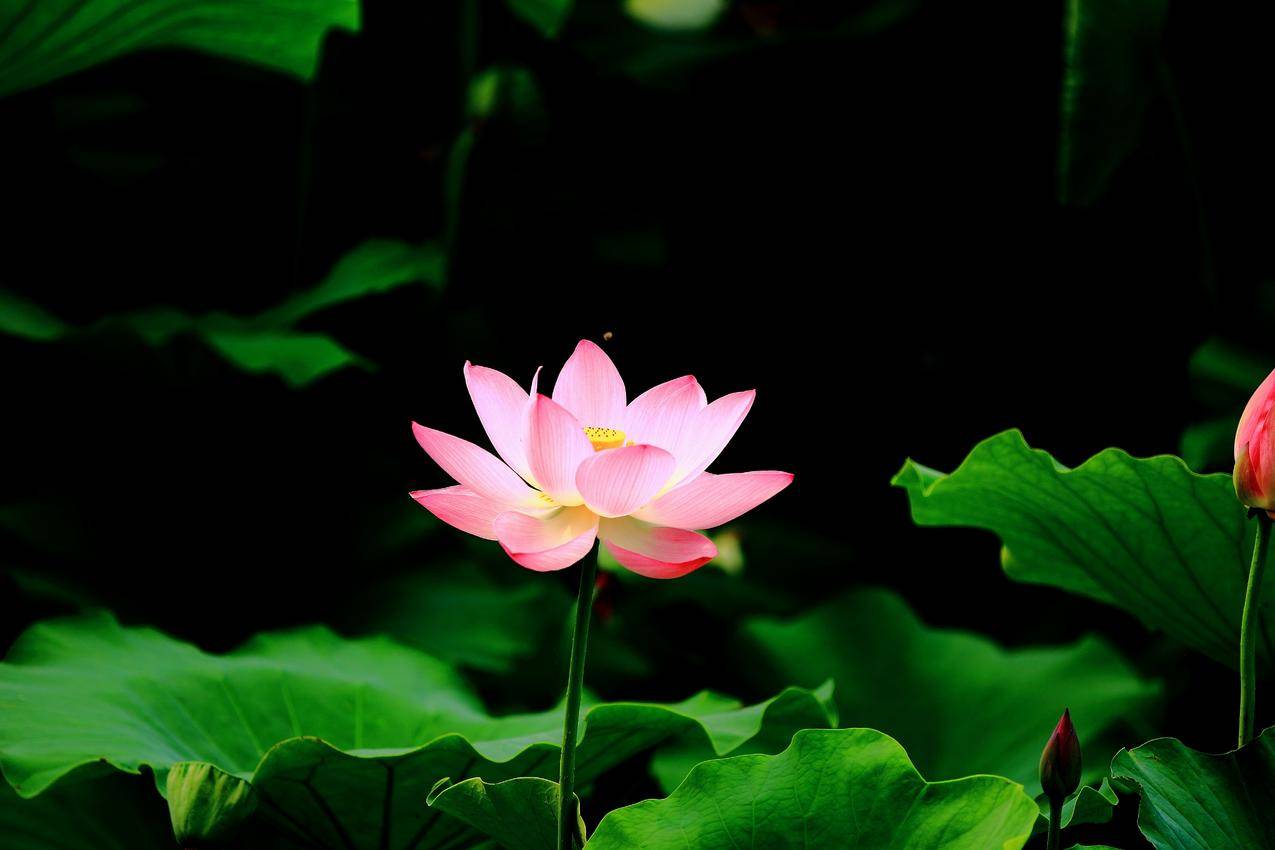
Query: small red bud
(1060,762)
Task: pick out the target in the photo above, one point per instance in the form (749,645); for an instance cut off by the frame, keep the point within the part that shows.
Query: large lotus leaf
(41,40)
(1200,801)
(341,739)
(844,788)
(1146,534)
(957,701)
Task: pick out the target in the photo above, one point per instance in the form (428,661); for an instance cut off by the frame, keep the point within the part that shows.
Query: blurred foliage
(46,39)
(267,342)
(1114,68)
(1223,376)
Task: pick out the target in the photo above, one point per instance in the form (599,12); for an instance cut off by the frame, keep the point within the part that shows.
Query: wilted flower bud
(1255,449)
(1060,762)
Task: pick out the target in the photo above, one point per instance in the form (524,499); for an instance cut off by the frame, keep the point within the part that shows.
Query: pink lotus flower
(1254,474)
(586,465)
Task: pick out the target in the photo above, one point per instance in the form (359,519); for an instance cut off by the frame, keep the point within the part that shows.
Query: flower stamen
(604,438)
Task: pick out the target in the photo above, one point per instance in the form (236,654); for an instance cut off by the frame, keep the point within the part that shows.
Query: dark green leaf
(46,39)
(23,318)
(957,701)
(520,814)
(373,267)
(1146,534)
(845,788)
(103,812)
(298,358)
(547,16)
(1112,56)
(1199,801)
(267,343)
(459,616)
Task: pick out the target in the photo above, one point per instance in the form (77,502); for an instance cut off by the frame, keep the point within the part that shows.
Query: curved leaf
(340,739)
(1199,801)
(1146,534)
(956,700)
(41,40)
(1087,806)
(845,788)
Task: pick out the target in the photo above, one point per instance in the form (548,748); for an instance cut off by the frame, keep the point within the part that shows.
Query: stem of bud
(1248,625)
(1054,841)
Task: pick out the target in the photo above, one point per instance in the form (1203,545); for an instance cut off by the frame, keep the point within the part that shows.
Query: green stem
(1054,841)
(1248,625)
(571,722)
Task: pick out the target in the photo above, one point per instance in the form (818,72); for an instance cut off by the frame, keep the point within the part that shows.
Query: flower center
(604,438)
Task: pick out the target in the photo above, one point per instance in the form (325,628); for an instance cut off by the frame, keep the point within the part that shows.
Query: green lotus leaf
(519,814)
(340,739)
(1148,535)
(547,16)
(1200,801)
(959,702)
(844,788)
(1089,805)
(788,711)
(47,39)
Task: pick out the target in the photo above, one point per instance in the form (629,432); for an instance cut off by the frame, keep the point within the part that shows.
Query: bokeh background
(887,216)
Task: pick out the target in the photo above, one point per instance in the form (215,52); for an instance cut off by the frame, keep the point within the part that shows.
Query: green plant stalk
(1248,625)
(1054,840)
(571,720)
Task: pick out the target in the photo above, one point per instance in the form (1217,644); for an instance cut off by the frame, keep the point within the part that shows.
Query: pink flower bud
(1060,762)
(1254,474)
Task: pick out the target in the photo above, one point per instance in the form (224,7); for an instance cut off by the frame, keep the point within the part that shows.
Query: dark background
(855,215)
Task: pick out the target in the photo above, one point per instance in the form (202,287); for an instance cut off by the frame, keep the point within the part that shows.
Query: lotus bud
(1060,762)
(1254,474)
